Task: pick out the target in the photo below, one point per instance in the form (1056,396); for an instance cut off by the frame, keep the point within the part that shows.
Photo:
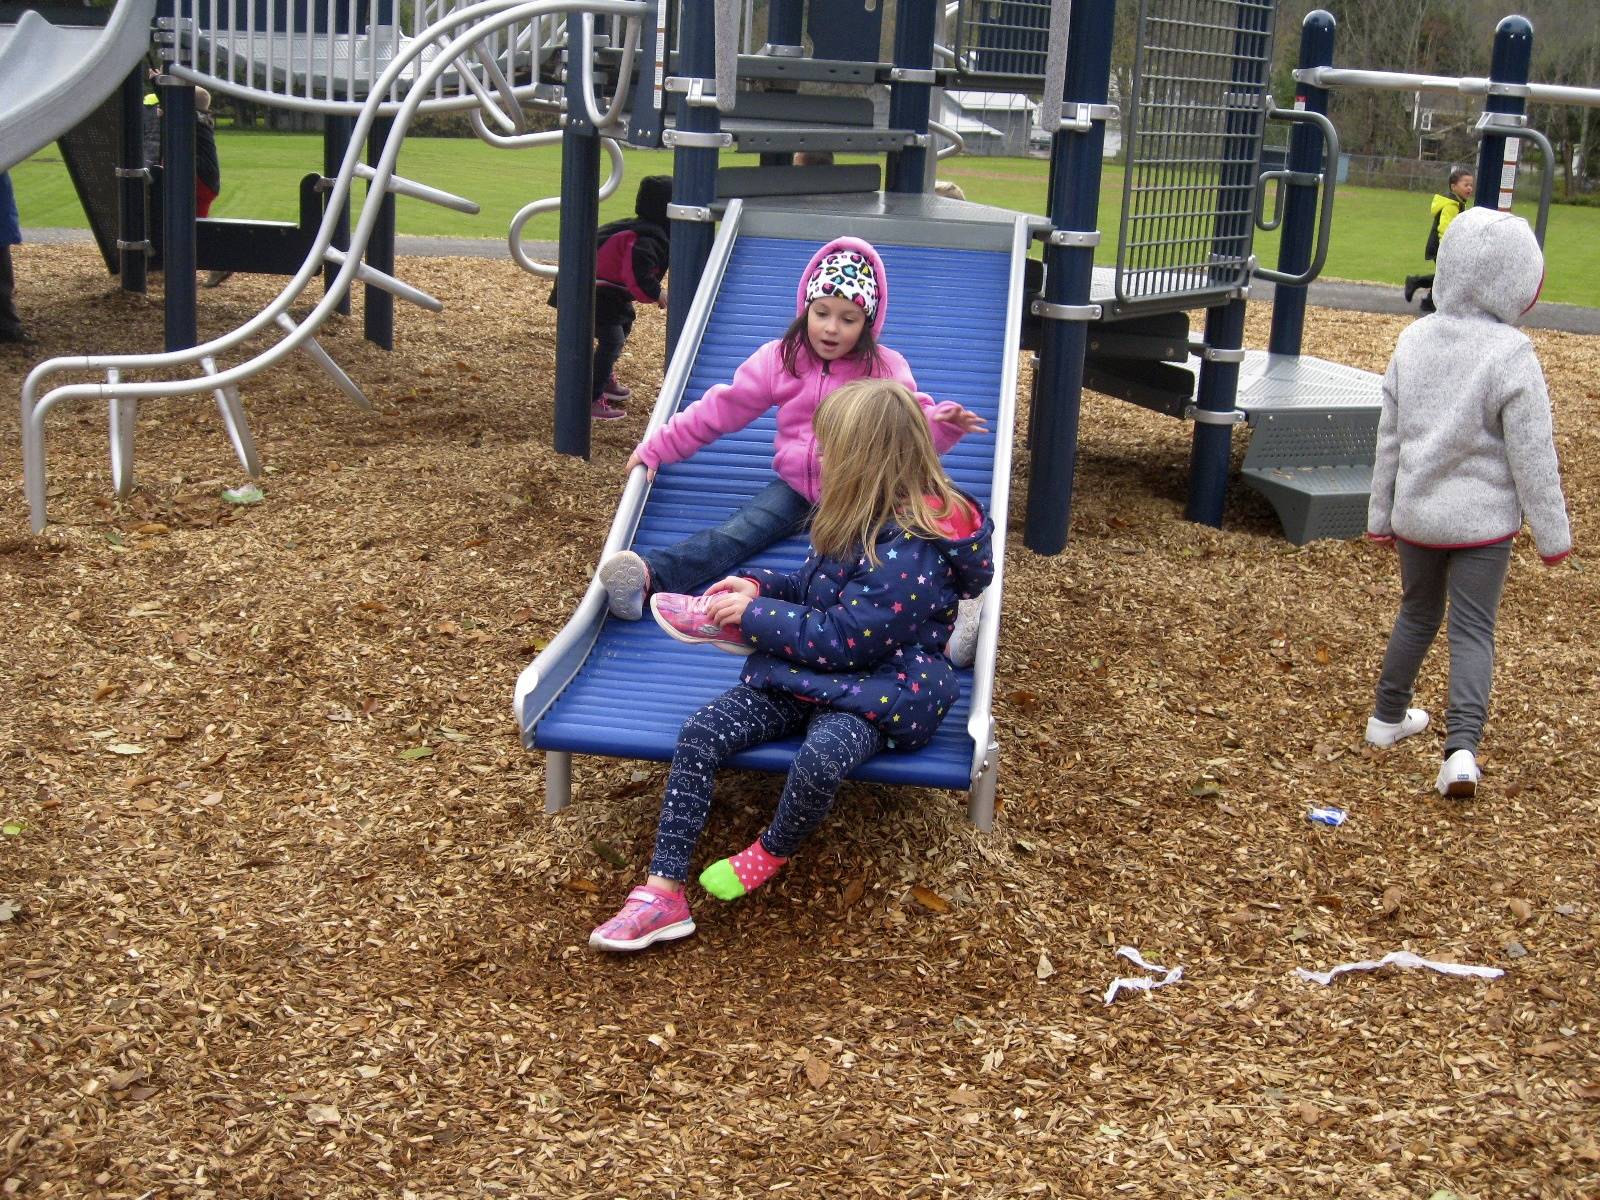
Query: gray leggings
(1472,580)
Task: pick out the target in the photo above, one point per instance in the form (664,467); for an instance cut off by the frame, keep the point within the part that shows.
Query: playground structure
(671,74)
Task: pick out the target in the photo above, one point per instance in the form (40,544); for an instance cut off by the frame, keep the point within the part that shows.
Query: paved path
(1356,297)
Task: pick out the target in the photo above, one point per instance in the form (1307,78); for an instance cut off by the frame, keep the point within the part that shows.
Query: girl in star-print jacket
(847,651)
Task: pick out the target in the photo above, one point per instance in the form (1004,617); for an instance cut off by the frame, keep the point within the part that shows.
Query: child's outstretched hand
(635,461)
(727,599)
(964,419)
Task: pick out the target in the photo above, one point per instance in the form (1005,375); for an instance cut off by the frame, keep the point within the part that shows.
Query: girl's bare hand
(966,420)
(734,583)
(635,461)
(727,608)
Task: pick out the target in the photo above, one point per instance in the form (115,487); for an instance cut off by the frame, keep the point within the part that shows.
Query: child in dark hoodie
(630,264)
(1465,453)
(848,650)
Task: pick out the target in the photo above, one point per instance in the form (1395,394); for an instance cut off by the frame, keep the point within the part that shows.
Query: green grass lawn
(1377,235)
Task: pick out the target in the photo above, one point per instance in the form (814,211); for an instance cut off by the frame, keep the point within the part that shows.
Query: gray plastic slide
(53,76)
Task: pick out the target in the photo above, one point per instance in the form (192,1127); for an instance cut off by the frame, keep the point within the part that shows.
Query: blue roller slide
(623,688)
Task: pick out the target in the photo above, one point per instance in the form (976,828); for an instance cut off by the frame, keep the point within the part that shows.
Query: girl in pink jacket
(840,304)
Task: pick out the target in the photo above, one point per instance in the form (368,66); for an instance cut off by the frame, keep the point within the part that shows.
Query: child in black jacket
(631,264)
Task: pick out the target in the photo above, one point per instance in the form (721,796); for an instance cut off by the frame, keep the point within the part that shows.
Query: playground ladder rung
(401,186)
(380,279)
(325,361)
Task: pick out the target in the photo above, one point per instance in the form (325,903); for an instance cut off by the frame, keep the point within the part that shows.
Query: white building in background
(1002,123)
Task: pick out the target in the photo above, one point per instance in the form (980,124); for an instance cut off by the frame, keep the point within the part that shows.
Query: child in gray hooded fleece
(1465,452)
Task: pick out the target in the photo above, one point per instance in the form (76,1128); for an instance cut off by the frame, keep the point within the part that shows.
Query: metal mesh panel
(1004,39)
(1194,133)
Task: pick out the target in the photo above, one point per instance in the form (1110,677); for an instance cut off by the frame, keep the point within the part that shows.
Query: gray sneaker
(626,578)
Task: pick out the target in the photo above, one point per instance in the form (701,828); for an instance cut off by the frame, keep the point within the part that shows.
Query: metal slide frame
(544,679)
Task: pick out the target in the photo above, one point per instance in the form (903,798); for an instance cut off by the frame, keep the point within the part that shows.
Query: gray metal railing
(1193,133)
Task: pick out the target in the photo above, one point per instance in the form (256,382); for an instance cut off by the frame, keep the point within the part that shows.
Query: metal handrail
(1503,125)
(544,679)
(1467,85)
(553,203)
(479,20)
(1330,166)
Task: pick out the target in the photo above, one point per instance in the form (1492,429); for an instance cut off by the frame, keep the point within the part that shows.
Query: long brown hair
(878,465)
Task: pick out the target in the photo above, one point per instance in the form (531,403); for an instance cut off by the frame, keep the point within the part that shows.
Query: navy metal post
(336,131)
(1508,67)
(177,213)
(910,92)
(1211,446)
(132,179)
(377,305)
(580,219)
(1069,270)
(695,143)
(1300,206)
(785,23)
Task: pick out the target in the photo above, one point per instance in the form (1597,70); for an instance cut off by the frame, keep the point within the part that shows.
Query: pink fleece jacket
(762,381)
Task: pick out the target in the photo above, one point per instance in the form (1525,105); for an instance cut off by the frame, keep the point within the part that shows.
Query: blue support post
(1211,446)
(785,25)
(377,305)
(911,98)
(1508,67)
(178,211)
(132,180)
(1300,206)
(696,143)
(1074,206)
(580,220)
(336,131)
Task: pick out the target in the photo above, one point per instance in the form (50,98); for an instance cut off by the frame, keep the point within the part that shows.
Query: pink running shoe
(648,916)
(603,410)
(616,391)
(684,617)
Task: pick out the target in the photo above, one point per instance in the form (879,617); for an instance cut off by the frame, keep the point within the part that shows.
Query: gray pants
(1472,580)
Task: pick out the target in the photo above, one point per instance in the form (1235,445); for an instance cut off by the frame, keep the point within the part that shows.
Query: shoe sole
(667,933)
(690,639)
(1461,789)
(613,416)
(618,575)
(618,397)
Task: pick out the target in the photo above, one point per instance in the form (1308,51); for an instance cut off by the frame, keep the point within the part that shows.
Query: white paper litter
(1141,984)
(1400,958)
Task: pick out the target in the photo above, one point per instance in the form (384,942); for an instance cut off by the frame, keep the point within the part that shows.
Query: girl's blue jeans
(772,514)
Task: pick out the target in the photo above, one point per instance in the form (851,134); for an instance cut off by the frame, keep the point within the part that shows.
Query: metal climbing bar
(1194,132)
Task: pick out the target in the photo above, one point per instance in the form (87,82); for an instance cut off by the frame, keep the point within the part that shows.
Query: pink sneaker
(648,916)
(616,391)
(684,617)
(603,410)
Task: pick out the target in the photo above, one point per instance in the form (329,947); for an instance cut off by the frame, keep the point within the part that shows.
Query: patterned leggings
(835,744)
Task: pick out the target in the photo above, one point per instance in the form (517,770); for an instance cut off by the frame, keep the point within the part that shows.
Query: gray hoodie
(1465,447)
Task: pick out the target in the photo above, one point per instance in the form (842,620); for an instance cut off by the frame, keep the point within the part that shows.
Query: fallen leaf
(1322,656)
(322,1114)
(1547,1049)
(1045,967)
(151,528)
(122,1079)
(1586,1091)
(609,852)
(929,899)
(853,892)
(817,1071)
(1393,898)
(1520,908)
(9,909)
(579,884)
(1334,903)
(1201,791)
(12,828)
(106,689)
(417,752)
(125,748)
(1025,700)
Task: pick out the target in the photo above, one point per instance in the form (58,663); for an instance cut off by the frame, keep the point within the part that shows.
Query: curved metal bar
(955,143)
(478,20)
(550,204)
(1330,167)
(1485,128)
(630,44)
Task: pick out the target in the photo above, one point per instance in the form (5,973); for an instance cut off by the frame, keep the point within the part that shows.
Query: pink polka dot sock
(730,878)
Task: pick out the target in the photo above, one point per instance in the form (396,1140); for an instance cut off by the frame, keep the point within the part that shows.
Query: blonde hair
(878,465)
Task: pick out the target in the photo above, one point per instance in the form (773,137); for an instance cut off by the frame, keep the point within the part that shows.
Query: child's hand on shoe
(727,599)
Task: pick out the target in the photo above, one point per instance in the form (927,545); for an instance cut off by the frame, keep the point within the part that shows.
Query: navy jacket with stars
(870,640)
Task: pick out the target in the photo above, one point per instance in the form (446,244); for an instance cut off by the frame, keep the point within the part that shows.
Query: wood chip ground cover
(281,914)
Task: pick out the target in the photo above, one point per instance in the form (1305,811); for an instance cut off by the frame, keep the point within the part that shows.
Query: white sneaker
(1387,733)
(962,647)
(1458,776)
(626,578)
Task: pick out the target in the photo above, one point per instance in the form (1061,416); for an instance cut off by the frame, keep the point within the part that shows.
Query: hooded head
(655,191)
(851,268)
(1489,265)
